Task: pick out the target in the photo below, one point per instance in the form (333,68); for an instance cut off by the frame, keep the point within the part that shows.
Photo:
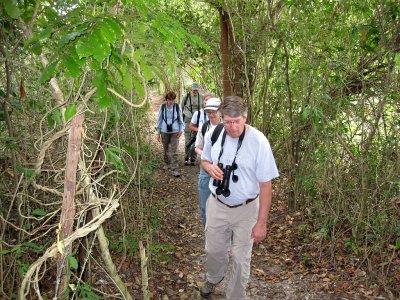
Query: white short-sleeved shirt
(203,118)
(200,138)
(254,159)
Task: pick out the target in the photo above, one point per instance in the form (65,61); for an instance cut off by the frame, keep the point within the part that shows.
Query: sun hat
(212,104)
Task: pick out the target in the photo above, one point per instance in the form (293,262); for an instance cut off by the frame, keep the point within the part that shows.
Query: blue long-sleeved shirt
(177,123)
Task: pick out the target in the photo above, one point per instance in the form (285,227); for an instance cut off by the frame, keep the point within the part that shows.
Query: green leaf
(138,85)
(28,173)
(147,72)
(73,262)
(132,151)
(107,32)
(12,8)
(2,252)
(397,247)
(72,67)
(115,26)
(100,82)
(34,246)
(79,61)
(39,212)
(116,150)
(45,34)
(397,60)
(84,47)
(56,116)
(305,114)
(70,111)
(48,72)
(65,39)
(102,47)
(114,159)
(37,48)
(104,102)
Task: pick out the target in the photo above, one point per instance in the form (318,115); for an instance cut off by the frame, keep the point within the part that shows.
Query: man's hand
(178,134)
(259,232)
(159,137)
(213,170)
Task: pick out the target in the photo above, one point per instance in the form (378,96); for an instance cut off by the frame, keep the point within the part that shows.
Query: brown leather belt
(233,206)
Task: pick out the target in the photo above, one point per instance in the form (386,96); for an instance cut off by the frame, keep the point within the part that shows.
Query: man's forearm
(265,201)
(205,164)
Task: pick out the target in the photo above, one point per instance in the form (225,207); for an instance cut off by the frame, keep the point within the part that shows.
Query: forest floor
(286,265)
(283,266)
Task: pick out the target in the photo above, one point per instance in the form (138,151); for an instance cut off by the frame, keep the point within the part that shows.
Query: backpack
(216,132)
(164,113)
(198,106)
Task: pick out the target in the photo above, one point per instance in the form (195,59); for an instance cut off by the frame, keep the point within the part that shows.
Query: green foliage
(162,253)
(72,262)
(55,118)
(70,111)
(28,173)
(11,7)
(39,212)
(113,156)
(84,291)
(397,246)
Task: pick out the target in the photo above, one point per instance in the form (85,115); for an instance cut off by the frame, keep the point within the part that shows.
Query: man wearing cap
(211,109)
(242,166)
(191,102)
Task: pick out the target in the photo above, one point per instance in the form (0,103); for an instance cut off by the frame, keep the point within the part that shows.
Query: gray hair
(208,94)
(233,106)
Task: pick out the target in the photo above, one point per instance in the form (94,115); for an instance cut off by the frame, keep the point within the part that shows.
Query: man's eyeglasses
(233,122)
(211,112)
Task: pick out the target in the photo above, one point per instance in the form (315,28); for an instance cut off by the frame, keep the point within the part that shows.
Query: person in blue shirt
(170,127)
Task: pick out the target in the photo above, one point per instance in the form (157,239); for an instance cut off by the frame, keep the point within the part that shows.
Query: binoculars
(223,185)
(169,127)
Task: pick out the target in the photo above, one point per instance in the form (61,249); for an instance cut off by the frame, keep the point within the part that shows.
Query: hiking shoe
(207,289)
(176,173)
(193,162)
(187,162)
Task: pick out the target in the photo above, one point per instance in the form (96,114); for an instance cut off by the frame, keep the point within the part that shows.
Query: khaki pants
(170,144)
(229,229)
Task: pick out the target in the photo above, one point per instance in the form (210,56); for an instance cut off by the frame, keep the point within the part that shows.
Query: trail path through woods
(286,265)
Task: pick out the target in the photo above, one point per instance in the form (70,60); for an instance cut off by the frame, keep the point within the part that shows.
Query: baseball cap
(195,86)
(212,104)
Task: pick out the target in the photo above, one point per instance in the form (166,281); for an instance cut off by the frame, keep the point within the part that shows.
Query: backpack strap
(190,100)
(164,113)
(204,127)
(177,111)
(216,133)
(163,106)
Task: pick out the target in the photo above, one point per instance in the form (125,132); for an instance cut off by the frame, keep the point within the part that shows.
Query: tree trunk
(68,207)
(224,43)
(292,144)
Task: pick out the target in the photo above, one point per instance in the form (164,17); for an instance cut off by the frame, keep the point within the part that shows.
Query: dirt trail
(281,266)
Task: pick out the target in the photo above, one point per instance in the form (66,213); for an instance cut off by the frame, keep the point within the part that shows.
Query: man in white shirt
(242,166)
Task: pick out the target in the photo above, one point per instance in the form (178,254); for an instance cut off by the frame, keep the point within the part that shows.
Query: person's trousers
(204,193)
(230,229)
(170,143)
(190,154)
